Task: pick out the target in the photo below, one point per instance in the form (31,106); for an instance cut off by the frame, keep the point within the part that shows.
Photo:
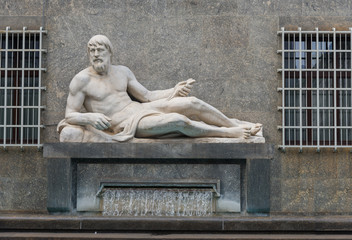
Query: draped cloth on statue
(122,131)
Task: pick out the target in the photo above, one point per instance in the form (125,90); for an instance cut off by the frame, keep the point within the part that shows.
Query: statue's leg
(72,134)
(158,125)
(193,108)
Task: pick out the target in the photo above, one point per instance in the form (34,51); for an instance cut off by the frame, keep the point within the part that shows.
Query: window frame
(21,87)
(333,72)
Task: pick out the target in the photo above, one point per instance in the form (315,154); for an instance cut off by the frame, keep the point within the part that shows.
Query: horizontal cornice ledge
(164,149)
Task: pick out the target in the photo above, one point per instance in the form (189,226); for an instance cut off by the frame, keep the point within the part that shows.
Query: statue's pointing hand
(99,121)
(182,89)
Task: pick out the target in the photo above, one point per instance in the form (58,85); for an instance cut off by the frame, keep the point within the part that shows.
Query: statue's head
(100,40)
(99,52)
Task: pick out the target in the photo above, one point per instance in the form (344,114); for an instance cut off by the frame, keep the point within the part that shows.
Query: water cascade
(157,202)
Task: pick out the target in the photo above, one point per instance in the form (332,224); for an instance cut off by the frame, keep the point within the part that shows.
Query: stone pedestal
(238,172)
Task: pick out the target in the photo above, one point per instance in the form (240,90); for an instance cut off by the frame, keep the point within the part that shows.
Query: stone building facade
(228,46)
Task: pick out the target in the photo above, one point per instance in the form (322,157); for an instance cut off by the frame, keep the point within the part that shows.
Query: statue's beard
(100,67)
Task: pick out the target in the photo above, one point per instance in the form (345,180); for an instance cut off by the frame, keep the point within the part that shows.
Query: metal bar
(329,77)
(311,50)
(307,70)
(17,55)
(13,101)
(20,31)
(40,81)
(334,95)
(314,127)
(1,80)
(22,85)
(293,62)
(5,93)
(42,88)
(314,146)
(324,108)
(10,107)
(346,104)
(280,89)
(25,50)
(318,88)
(283,86)
(300,91)
(350,79)
(310,32)
(1,50)
(32,125)
(32,92)
(27,145)
(29,69)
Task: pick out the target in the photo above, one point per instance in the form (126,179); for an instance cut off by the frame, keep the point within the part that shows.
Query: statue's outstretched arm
(137,90)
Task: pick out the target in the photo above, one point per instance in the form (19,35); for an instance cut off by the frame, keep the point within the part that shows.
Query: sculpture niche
(103,90)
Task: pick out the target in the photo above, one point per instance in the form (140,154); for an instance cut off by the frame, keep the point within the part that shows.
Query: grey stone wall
(228,46)
(23,181)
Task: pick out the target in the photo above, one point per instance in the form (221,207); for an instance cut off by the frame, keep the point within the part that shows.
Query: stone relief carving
(111,115)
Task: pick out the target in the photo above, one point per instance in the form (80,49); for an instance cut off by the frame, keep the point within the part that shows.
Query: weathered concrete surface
(15,23)
(23,180)
(314,182)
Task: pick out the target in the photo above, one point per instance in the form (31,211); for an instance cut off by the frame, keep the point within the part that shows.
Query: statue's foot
(256,128)
(239,132)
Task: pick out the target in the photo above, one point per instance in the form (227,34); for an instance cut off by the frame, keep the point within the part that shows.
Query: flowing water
(157,202)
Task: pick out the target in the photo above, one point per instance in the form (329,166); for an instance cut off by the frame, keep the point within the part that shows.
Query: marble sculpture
(111,115)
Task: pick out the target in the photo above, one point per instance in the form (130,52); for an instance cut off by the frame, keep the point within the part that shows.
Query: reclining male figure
(103,90)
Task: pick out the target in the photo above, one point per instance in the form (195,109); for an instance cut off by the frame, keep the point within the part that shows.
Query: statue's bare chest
(104,87)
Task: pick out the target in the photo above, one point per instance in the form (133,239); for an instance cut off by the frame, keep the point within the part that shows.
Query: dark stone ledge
(290,224)
(160,149)
(38,222)
(153,224)
(215,224)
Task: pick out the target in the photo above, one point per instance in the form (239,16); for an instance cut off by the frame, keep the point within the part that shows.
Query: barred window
(316,88)
(20,87)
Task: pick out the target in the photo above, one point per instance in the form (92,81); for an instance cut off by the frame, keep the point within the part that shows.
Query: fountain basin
(77,171)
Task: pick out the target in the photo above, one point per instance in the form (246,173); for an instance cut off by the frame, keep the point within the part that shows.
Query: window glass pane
(291,81)
(292,98)
(2,97)
(326,60)
(2,117)
(30,135)
(30,97)
(13,116)
(30,116)
(343,60)
(13,135)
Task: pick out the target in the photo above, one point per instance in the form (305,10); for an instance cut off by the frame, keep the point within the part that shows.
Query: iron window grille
(21,86)
(316,89)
